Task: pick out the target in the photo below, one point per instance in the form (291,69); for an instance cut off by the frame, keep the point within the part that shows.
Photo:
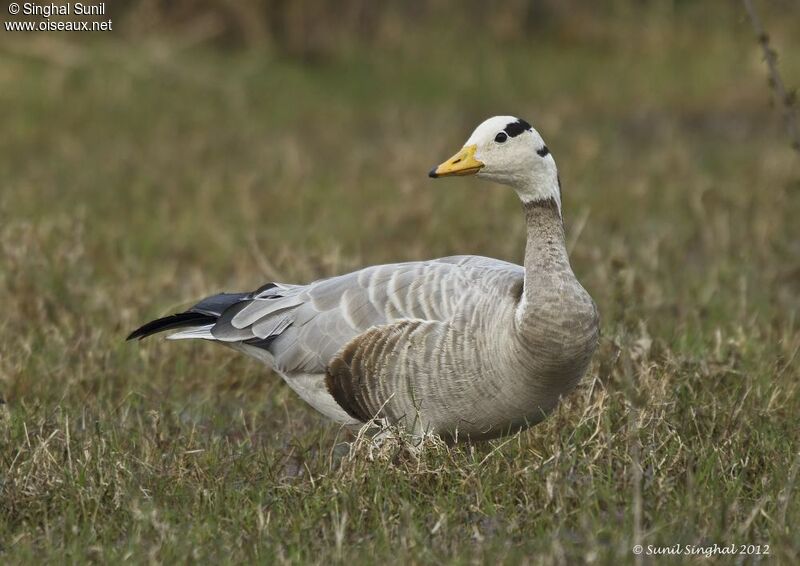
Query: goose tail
(195,322)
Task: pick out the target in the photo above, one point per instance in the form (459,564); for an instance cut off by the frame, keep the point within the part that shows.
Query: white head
(509,151)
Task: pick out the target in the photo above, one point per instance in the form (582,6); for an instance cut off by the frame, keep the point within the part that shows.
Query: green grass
(136,178)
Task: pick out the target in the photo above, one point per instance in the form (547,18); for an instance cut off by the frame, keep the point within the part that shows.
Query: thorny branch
(785,99)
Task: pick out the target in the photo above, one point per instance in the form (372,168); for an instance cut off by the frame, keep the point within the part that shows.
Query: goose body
(462,347)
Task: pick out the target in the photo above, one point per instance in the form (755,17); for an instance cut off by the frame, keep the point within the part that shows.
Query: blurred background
(213,146)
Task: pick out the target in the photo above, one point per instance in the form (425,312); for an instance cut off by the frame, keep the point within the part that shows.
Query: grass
(139,177)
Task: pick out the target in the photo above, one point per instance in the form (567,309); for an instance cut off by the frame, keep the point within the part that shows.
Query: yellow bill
(462,163)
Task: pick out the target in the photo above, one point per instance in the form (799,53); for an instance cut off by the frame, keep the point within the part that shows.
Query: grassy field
(139,176)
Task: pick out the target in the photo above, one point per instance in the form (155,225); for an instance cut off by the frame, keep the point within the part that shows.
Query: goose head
(509,151)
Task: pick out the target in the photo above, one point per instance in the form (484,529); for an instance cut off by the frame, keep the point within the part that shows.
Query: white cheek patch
(511,160)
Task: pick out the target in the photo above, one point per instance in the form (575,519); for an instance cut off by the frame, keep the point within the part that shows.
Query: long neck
(556,321)
(546,249)
(546,260)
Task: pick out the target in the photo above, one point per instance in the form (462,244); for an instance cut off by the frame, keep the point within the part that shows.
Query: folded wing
(304,326)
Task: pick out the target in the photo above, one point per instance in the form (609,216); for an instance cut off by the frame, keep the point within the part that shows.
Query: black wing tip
(136,334)
(178,320)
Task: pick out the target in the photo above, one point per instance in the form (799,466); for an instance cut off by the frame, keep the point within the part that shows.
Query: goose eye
(501,137)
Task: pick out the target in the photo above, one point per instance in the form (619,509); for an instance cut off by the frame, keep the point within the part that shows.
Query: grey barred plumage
(462,346)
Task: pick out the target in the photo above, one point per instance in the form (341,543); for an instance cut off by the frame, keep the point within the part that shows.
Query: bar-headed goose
(462,347)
